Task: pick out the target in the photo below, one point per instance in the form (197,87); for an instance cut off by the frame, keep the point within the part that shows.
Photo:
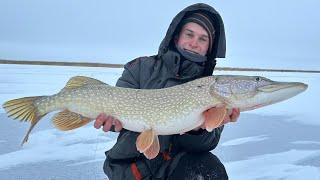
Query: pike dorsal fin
(67,120)
(80,81)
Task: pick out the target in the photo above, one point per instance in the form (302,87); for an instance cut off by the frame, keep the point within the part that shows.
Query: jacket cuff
(198,132)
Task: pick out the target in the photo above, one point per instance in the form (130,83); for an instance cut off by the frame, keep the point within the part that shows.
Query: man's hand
(107,122)
(232,116)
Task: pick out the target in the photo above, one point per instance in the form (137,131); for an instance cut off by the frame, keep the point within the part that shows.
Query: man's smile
(191,51)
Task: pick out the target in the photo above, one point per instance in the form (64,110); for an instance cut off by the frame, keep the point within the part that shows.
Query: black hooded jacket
(166,69)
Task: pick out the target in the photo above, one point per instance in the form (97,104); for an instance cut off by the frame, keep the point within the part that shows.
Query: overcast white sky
(276,34)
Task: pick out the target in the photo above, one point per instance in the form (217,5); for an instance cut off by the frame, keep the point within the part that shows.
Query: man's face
(193,38)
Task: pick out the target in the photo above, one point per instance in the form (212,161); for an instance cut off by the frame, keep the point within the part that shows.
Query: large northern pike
(172,110)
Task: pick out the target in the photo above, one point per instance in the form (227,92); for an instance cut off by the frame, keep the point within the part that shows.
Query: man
(193,41)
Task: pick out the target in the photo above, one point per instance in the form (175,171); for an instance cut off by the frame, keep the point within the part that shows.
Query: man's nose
(193,43)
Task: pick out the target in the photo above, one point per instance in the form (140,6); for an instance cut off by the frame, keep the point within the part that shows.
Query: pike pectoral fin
(213,117)
(68,120)
(145,140)
(154,149)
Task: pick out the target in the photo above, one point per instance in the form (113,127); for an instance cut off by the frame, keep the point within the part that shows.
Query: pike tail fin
(24,109)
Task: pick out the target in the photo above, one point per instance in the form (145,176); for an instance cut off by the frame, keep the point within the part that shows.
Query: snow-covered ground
(281,141)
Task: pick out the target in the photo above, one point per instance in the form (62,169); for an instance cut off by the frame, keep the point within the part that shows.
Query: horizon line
(109,65)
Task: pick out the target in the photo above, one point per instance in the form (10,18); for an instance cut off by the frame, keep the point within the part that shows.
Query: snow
(280,141)
(306,142)
(54,145)
(244,140)
(281,165)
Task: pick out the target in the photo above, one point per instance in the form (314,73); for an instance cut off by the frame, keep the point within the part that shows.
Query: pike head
(252,92)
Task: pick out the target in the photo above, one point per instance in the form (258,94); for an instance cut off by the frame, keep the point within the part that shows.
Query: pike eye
(258,79)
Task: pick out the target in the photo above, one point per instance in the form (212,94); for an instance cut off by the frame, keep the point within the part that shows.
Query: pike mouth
(279,86)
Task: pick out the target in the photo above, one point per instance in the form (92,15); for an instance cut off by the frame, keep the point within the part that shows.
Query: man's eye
(189,35)
(203,39)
